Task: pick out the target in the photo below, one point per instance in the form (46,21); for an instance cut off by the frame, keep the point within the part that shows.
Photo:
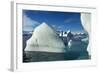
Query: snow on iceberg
(45,38)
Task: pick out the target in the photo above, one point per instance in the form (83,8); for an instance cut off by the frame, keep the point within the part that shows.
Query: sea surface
(78,51)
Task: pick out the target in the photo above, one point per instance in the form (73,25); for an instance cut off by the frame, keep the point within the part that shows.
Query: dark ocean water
(78,51)
(34,56)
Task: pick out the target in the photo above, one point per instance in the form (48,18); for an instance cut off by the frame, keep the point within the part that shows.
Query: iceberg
(86,21)
(44,38)
(85,39)
(69,43)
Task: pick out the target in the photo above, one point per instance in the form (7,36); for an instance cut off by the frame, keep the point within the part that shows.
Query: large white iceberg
(86,22)
(45,38)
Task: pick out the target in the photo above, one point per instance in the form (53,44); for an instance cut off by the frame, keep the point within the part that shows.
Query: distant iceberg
(44,38)
(85,39)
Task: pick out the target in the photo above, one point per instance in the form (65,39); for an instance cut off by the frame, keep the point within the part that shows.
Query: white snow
(44,38)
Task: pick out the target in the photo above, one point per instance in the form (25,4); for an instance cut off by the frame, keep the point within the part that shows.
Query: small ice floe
(69,43)
(85,39)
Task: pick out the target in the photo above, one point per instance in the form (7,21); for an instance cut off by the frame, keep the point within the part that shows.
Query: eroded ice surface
(86,22)
(44,38)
